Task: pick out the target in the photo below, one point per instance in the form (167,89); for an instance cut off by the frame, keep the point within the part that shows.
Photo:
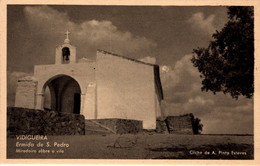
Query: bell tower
(65,53)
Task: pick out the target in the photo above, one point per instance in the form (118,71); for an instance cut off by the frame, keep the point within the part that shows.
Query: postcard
(159,82)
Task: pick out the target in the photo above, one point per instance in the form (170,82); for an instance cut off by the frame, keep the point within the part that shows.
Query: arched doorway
(62,94)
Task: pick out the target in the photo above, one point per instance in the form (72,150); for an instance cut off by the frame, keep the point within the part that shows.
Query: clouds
(148,59)
(178,79)
(200,23)
(49,24)
(219,113)
(35,38)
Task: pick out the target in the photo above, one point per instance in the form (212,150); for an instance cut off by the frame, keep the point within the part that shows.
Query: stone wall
(161,126)
(113,126)
(23,121)
(179,124)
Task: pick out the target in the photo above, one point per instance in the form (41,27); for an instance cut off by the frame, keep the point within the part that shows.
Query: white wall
(83,73)
(25,93)
(125,89)
(111,87)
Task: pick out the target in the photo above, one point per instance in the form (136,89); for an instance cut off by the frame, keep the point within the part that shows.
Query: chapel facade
(111,86)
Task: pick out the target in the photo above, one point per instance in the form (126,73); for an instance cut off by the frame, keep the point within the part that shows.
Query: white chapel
(111,86)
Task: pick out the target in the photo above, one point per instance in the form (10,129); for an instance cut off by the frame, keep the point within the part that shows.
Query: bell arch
(65,55)
(64,94)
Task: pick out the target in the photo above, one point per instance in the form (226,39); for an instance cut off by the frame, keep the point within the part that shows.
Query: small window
(65,55)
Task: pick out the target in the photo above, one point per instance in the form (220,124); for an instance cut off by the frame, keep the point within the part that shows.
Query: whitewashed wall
(125,89)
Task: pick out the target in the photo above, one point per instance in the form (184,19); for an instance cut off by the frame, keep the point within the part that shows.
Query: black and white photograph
(161,82)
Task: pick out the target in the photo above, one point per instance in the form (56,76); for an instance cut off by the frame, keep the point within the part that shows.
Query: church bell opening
(65,55)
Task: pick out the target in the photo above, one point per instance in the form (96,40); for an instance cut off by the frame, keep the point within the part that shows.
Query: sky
(165,33)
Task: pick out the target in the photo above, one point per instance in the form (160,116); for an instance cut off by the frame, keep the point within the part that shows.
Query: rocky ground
(140,146)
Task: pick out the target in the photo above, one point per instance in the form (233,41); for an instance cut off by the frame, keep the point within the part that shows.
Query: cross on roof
(67,34)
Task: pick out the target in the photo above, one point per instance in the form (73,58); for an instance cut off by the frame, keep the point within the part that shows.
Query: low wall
(118,126)
(179,124)
(161,126)
(23,121)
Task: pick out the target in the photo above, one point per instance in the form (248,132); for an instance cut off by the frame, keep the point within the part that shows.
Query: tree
(196,125)
(227,64)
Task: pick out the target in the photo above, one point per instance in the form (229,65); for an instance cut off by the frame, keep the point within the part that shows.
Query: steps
(94,128)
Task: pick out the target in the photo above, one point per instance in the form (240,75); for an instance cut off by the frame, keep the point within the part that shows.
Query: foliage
(196,124)
(227,64)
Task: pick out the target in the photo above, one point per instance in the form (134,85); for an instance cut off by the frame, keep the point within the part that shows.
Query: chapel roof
(131,59)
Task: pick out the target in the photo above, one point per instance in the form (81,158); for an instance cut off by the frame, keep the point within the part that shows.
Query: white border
(3,69)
